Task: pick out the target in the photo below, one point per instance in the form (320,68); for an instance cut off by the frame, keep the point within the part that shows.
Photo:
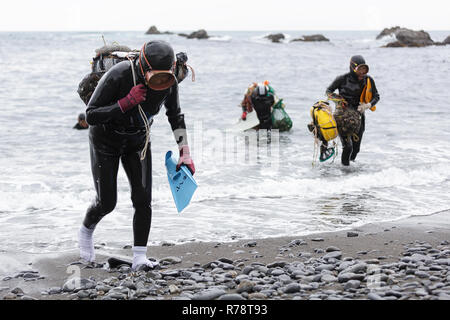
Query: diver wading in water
(259,97)
(358,90)
(119,115)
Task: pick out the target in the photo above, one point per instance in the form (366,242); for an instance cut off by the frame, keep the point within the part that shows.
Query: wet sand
(383,242)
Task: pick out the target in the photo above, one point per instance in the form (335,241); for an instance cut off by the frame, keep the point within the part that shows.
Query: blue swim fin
(182,183)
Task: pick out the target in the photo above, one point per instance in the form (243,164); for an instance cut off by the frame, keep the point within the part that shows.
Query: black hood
(356,61)
(159,54)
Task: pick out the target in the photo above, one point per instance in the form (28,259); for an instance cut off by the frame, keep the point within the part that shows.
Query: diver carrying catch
(119,115)
(359,92)
(269,109)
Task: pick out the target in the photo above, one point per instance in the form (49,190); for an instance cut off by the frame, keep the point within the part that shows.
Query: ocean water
(403,168)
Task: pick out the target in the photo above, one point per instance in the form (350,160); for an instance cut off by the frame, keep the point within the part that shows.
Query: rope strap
(143,116)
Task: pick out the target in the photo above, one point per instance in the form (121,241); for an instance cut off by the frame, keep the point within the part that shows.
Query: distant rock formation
(275,37)
(199,34)
(407,38)
(388,32)
(154,30)
(447,40)
(312,38)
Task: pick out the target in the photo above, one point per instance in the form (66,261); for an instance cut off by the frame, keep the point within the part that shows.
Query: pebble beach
(407,259)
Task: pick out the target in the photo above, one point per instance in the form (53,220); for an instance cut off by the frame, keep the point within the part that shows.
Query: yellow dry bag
(324,121)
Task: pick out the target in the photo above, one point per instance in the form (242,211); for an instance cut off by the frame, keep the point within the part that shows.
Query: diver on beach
(259,97)
(81,124)
(119,115)
(360,93)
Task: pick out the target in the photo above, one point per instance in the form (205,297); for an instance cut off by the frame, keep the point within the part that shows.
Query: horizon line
(213,30)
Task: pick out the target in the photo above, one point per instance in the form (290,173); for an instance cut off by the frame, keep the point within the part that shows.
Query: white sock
(140,258)
(86,244)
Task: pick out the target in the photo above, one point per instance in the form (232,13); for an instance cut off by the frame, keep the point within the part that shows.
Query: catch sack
(324,121)
(348,120)
(106,57)
(280,118)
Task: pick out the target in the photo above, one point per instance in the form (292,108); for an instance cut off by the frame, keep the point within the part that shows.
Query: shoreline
(383,245)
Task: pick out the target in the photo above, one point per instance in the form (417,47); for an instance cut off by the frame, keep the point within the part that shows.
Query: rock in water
(153,30)
(407,38)
(275,37)
(388,32)
(200,34)
(312,38)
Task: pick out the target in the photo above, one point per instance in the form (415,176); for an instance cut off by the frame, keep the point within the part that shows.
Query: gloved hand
(244,115)
(363,107)
(137,95)
(185,158)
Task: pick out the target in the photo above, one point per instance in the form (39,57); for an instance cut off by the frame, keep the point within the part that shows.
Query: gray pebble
(324,267)
(245,286)
(82,294)
(209,294)
(352,284)
(292,288)
(422,274)
(170,260)
(17,291)
(328,278)
(276,264)
(55,290)
(277,272)
(333,255)
(374,296)
(318,239)
(233,296)
(344,277)
(226,260)
(331,249)
(251,244)
(352,234)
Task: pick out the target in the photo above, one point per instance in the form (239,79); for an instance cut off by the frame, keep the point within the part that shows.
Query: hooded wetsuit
(351,88)
(114,136)
(262,105)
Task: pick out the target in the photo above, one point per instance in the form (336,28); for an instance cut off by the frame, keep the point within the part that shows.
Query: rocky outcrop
(407,38)
(312,38)
(154,30)
(447,40)
(199,34)
(275,37)
(388,31)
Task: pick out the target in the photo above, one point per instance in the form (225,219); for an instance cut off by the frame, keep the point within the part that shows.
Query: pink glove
(185,158)
(137,95)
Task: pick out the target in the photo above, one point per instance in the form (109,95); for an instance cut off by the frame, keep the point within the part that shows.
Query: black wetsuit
(351,88)
(262,105)
(115,136)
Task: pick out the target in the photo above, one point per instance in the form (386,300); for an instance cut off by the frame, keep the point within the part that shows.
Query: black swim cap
(159,54)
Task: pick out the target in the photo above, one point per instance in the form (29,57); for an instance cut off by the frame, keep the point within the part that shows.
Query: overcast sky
(177,15)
